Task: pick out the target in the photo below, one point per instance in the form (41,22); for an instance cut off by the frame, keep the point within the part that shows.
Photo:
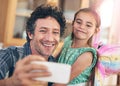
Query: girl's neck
(79,43)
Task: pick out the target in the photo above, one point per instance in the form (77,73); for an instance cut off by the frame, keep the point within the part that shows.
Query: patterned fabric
(81,84)
(108,63)
(69,56)
(9,56)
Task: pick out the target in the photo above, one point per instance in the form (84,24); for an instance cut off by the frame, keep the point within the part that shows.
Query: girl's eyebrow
(89,23)
(78,19)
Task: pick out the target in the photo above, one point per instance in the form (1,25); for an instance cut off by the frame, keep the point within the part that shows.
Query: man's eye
(56,32)
(42,30)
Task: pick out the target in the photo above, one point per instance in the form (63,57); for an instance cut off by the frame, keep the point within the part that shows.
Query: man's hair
(44,11)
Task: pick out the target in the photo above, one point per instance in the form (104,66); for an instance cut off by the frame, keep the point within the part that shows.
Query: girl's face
(84,26)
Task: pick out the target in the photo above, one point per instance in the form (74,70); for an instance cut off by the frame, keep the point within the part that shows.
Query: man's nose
(49,36)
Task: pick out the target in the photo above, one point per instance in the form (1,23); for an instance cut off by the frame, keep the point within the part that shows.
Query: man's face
(46,36)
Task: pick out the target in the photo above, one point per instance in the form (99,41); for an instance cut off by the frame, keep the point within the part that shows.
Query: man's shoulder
(12,48)
(16,48)
(17,51)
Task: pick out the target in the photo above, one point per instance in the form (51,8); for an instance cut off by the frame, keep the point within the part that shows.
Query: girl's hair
(96,16)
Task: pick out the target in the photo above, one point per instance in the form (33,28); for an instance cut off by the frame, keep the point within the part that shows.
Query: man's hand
(23,75)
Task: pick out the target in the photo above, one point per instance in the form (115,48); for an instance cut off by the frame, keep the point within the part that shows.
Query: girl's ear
(97,30)
(73,22)
(30,35)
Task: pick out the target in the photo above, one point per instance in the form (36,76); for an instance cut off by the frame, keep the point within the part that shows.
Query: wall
(3,10)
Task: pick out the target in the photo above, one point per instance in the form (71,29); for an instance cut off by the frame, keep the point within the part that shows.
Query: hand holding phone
(60,72)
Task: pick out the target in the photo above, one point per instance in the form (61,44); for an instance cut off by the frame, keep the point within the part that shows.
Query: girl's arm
(83,61)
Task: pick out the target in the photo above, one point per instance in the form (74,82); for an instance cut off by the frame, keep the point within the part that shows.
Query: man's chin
(47,52)
(47,55)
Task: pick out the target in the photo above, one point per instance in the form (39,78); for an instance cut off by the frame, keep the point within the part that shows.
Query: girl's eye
(89,25)
(78,22)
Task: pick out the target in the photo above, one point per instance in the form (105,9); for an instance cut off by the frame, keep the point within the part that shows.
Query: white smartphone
(60,72)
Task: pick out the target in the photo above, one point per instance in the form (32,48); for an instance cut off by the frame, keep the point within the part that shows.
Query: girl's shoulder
(88,49)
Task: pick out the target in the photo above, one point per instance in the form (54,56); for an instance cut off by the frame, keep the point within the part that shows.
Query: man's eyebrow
(44,27)
(56,28)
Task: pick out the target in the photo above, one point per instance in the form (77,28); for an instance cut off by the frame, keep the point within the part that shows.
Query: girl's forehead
(86,15)
(89,14)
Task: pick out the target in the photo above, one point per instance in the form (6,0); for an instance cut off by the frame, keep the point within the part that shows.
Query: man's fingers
(30,58)
(32,67)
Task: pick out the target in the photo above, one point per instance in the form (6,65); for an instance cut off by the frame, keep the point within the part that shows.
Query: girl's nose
(82,26)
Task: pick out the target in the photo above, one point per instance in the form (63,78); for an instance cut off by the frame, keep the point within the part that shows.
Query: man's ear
(30,35)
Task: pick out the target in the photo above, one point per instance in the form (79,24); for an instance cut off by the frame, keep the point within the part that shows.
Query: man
(44,28)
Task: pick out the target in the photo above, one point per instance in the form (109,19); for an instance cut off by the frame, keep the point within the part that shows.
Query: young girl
(77,50)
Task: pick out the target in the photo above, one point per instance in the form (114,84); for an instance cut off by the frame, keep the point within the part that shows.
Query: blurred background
(14,13)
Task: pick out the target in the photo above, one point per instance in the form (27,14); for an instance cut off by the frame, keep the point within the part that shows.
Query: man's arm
(6,82)
(23,76)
